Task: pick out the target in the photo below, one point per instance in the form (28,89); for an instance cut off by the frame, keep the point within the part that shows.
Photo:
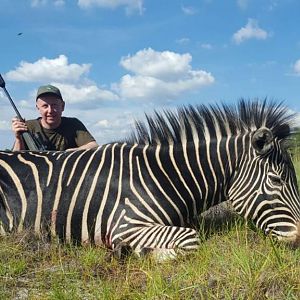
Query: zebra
(145,193)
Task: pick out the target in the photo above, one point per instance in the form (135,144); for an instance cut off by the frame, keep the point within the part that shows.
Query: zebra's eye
(276,180)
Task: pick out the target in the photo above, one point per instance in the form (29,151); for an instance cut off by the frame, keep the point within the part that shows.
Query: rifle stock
(31,142)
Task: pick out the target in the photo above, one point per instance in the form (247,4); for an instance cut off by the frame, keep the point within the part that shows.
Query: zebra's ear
(262,140)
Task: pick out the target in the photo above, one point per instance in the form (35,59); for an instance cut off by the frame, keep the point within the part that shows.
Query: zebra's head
(264,188)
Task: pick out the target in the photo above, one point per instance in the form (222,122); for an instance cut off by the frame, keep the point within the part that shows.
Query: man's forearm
(89,145)
(19,144)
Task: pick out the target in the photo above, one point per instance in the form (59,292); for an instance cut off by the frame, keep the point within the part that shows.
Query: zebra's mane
(188,122)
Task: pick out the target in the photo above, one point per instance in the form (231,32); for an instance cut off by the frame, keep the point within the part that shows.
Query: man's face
(50,108)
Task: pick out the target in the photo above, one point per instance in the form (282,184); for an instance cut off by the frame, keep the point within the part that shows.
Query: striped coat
(146,193)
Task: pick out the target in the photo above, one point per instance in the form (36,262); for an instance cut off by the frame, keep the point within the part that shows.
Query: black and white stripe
(147,193)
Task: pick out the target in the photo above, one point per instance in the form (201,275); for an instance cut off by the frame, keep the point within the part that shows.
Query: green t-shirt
(71,133)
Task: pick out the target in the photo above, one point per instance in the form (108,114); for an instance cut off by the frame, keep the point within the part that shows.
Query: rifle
(31,142)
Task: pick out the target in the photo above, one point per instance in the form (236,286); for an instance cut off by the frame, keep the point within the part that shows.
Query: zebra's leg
(161,241)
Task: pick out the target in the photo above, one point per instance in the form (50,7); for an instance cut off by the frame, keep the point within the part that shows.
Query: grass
(233,263)
(237,263)
(297,169)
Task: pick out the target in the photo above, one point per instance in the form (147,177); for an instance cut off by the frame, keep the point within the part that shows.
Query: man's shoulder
(68,120)
(71,125)
(71,122)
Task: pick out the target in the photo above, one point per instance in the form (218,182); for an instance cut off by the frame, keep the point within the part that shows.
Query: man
(53,130)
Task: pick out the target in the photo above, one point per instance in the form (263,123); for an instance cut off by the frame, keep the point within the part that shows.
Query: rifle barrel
(31,143)
(12,103)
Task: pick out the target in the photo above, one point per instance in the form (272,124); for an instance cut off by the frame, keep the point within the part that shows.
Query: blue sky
(116,59)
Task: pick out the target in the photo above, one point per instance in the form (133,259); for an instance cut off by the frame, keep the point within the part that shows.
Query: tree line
(295,144)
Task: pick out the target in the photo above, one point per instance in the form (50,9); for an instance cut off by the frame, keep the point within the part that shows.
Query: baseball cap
(48,89)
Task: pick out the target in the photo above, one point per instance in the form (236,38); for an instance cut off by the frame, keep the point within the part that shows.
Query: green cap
(48,89)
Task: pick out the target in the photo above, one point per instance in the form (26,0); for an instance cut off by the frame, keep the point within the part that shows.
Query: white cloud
(116,122)
(296,67)
(160,75)
(65,76)
(59,3)
(131,6)
(37,3)
(85,93)
(46,69)
(155,75)
(242,4)
(206,46)
(2,96)
(297,119)
(4,125)
(250,31)
(102,123)
(110,123)
(183,41)
(189,10)
(152,76)
(165,65)
(273,5)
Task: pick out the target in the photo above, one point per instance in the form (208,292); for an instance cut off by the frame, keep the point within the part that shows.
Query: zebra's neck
(201,169)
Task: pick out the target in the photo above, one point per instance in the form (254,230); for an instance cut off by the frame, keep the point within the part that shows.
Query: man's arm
(89,145)
(83,138)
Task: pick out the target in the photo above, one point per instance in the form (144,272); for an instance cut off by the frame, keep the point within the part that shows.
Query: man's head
(50,104)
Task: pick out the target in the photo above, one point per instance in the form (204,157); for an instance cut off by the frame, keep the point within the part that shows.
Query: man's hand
(18,127)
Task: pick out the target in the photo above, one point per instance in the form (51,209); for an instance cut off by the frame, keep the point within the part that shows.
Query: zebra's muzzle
(296,242)
(293,238)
